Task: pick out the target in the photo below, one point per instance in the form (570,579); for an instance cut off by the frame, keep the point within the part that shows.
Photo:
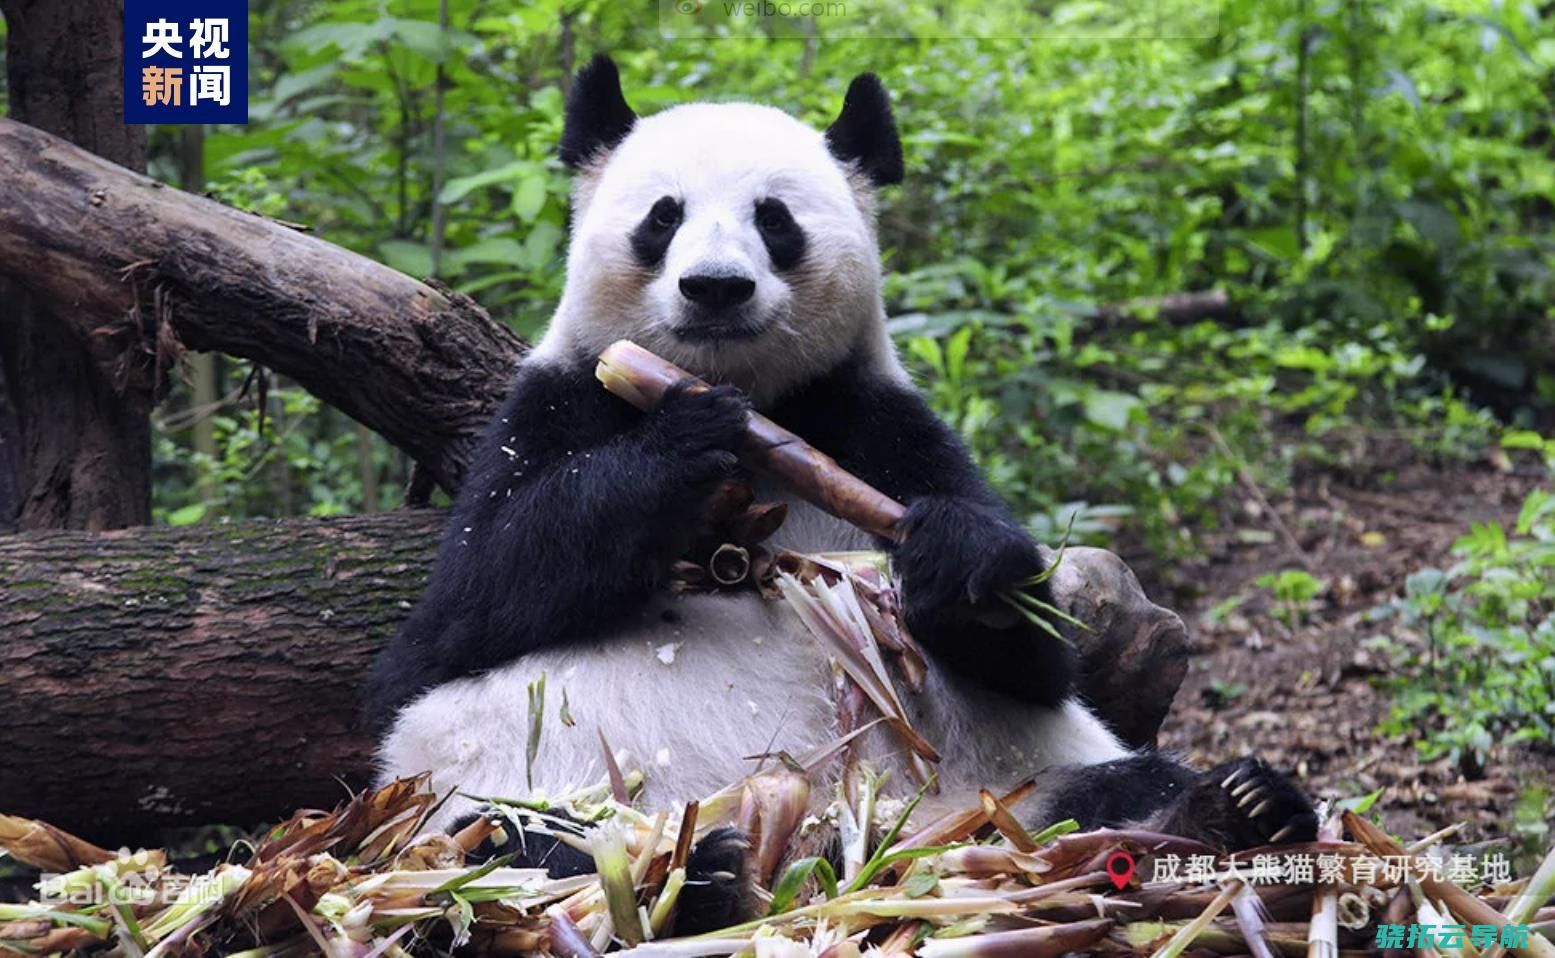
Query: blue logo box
(186,61)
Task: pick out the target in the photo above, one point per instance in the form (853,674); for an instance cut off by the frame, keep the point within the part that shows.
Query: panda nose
(717,292)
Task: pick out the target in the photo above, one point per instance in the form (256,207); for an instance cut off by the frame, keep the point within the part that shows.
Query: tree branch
(136,260)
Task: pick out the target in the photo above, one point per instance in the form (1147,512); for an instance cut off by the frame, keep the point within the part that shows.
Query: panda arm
(960,544)
(574,504)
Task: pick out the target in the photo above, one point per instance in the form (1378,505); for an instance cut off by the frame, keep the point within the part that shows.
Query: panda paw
(1246,804)
(704,429)
(955,557)
(526,849)
(720,886)
(958,553)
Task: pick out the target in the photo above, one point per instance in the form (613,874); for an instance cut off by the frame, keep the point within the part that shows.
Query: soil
(1306,695)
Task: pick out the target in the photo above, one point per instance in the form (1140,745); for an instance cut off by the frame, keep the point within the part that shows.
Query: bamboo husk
(46,847)
(1462,904)
(360,881)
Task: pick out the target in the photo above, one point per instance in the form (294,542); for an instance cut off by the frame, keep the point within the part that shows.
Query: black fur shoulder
(573,508)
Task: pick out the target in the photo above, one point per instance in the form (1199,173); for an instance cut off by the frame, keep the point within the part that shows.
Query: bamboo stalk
(642,378)
(1323,933)
(615,877)
(1463,905)
(1038,942)
(1187,933)
(1539,890)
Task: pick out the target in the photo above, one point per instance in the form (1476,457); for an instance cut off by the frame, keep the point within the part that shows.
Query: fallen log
(142,271)
(1174,309)
(196,675)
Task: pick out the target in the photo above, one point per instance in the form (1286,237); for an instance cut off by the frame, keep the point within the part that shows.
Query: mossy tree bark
(196,675)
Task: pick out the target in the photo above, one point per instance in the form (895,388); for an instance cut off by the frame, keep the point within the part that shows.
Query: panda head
(731,238)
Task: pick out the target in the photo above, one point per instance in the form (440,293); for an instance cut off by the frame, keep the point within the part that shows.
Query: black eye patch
(784,239)
(651,237)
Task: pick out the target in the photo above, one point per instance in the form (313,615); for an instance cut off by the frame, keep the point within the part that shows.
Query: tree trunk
(65,74)
(86,438)
(12,468)
(203,392)
(196,675)
(149,271)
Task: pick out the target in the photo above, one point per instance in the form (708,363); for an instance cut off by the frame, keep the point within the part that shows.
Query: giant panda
(740,243)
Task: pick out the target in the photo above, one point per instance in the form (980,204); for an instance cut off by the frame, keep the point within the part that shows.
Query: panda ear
(864,133)
(597,114)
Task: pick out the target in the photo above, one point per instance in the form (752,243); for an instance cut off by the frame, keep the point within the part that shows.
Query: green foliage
(1530,441)
(1375,206)
(303,459)
(1489,626)
(1293,589)
(1222,692)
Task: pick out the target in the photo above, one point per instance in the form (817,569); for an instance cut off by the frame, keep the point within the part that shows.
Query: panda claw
(1245,804)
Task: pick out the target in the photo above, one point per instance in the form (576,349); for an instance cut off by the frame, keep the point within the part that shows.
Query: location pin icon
(1120,868)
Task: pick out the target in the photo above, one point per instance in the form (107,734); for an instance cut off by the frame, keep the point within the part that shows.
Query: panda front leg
(958,547)
(720,888)
(1240,804)
(566,523)
(957,553)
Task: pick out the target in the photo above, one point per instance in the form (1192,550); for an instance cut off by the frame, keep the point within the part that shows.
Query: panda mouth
(716,329)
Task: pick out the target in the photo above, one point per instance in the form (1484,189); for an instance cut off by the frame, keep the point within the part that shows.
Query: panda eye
(665,214)
(772,216)
(784,239)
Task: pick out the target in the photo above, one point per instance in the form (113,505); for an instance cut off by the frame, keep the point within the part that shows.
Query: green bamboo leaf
(536,723)
(786,891)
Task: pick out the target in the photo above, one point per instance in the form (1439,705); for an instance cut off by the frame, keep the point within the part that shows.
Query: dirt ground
(1305,697)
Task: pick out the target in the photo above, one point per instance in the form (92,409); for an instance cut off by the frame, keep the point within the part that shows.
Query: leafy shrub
(1486,677)
(1293,589)
(274,464)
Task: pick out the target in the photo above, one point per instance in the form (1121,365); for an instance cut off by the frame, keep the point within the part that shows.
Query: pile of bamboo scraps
(364,881)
